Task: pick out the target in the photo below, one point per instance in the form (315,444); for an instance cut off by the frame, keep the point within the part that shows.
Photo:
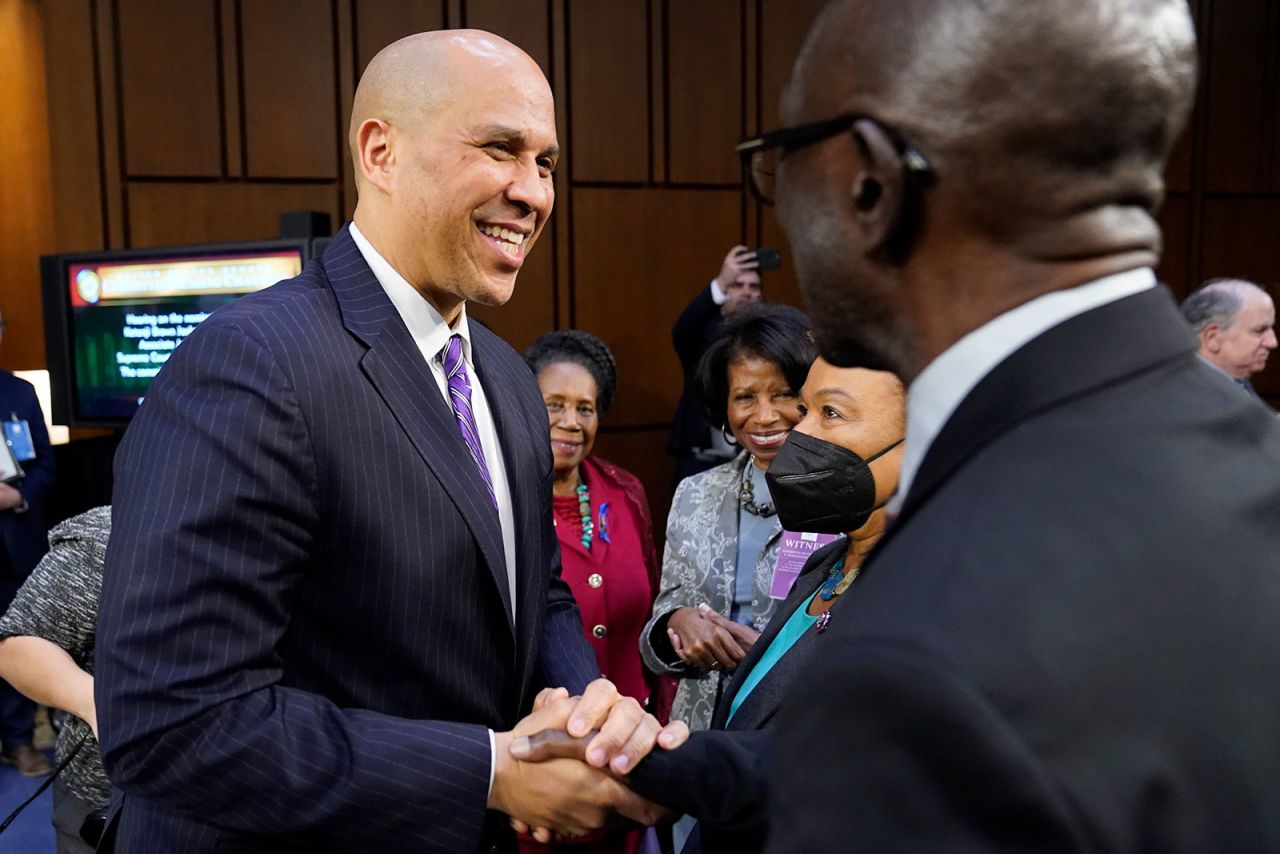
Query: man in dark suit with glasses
(1067,641)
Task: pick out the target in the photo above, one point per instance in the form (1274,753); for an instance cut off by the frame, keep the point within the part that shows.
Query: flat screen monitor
(112,319)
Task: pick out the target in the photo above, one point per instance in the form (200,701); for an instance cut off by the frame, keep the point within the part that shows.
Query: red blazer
(614,581)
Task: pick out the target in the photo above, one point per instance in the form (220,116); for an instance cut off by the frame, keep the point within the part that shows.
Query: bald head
(411,80)
(999,150)
(1045,106)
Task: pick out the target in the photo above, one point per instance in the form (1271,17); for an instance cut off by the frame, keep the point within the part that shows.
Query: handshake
(561,772)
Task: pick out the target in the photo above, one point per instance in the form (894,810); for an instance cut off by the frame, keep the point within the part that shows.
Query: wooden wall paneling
(532,308)
(1271,101)
(232,91)
(1175,225)
(704,107)
(641,451)
(290,88)
(115,202)
(750,110)
(164,213)
(524,23)
(640,255)
(1177,173)
(170,92)
(562,220)
(380,22)
(1181,164)
(74,126)
(608,91)
(1237,96)
(659,96)
(26,211)
(344,28)
(782,30)
(1197,133)
(1242,239)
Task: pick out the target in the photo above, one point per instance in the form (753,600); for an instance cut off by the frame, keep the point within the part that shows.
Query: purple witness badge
(796,548)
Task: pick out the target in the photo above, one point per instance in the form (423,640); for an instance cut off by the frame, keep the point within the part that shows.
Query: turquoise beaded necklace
(837,582)
(584,509)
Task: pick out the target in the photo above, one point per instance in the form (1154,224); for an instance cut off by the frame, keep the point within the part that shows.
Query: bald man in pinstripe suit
(333,587)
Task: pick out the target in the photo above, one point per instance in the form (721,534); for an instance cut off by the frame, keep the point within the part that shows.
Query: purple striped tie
(455,371)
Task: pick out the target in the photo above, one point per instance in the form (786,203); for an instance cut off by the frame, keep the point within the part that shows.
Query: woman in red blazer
(602,523)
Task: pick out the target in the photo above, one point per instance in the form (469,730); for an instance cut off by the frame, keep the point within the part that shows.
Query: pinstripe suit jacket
(305,627)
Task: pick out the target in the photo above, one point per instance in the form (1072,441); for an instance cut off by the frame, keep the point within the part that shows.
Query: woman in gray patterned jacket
(722,533)
(46,652)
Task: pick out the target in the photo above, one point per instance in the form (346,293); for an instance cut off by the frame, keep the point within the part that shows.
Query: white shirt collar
(949,378)
(426,325)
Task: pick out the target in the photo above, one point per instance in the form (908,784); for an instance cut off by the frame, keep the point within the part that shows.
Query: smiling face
(477,188)
(762,407)
(455,152)
(570,394)
(860,410)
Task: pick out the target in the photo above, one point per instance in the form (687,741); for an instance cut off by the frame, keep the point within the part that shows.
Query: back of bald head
(412,79)
(1057,103)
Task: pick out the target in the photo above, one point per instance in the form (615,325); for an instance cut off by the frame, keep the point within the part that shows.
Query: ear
(1210,338)
(879,188)
(373,150)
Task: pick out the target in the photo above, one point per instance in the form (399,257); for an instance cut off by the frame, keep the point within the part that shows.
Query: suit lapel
(1101,347)
(765,698)
(517,437)
(395,367)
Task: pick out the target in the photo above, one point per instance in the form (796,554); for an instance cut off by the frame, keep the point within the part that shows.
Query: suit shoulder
(10,384)
(284,316)
(308,288)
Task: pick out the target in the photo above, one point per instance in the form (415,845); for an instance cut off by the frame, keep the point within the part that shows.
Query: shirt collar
(949,378)
(425,324)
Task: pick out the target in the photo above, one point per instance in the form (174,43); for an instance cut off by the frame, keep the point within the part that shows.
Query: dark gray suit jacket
(306,627)
(720,776)
(1069,640)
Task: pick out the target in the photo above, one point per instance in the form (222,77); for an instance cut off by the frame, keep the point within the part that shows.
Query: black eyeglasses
(760,155)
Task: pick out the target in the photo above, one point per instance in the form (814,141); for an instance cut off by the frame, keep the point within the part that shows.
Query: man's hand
(557,744)
(626,732)
(9,497)
(564,796)
(737,270)
(703,638)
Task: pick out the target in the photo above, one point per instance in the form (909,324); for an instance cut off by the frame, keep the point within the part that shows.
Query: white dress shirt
(948,379)
(431,334)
